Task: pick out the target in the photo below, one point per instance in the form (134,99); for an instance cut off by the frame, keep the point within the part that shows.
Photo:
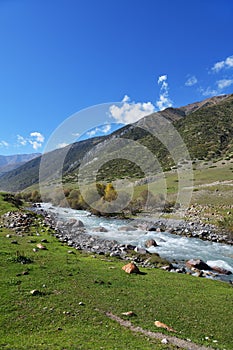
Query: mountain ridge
(11,162)
(206,128)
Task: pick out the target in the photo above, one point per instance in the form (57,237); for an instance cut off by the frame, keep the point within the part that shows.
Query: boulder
(141,250)
(78,223)
(150,243)
(197,264)
(131,268)
(71,222)
(221,270)
(127,228)
(99,229)
(152,228)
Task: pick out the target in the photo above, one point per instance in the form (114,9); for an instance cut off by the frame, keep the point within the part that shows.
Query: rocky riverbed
(74,233)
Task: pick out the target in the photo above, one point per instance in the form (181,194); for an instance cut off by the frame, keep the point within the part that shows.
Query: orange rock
(163,325)
(131,268)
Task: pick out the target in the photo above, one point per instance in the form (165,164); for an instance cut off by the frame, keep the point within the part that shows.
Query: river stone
(197,264)
(150,243)
(78,223)
(99,229)
(141,250)
(71,222)
(127,228)
(221,270)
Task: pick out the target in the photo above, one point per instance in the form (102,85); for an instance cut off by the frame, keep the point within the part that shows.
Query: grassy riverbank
(75,290)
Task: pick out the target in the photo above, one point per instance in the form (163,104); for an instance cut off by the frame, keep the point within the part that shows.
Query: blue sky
(58,57)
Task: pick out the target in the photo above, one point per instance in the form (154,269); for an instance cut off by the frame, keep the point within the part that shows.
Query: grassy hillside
(75,291)
(206,128)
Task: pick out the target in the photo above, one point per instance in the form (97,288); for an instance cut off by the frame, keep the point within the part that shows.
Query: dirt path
(157,335)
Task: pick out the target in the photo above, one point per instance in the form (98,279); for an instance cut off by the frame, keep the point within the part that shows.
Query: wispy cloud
(208,91)
(218,90)
(220,85)
(62,145)
(99,130)
(21,140)
(36,139)
(164,101)
(4,143)
(191,81)
(129,112)
(227,63)
(224,83)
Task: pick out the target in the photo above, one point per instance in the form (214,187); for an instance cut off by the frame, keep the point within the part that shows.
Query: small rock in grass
(70,252)
(129,313)
(41,246)
(35,250)
(24,273)
(14,242)
(35,292)
(131,268)
(81,303)
(164,341)
(163,325)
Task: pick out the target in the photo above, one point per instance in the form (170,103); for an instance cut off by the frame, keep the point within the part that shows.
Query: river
(170,246)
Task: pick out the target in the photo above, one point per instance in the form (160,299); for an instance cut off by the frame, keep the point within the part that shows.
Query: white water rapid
(170,246)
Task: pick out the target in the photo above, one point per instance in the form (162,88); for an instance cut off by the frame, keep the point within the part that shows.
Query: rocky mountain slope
(206,128)
(8,163)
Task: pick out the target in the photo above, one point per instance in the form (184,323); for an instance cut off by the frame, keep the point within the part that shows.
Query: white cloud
(221,85)
(76,134)
(104,129)
(164,100)
(162,78)
(21,140)
(128,112)
(92,132)
(38,136)
(126,98)
(191,81)
(227,63)
(209,91)
(62,145)
(224,83)
(4,143)
(36,140)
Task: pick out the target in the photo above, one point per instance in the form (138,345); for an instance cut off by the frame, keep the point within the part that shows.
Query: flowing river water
(170,246)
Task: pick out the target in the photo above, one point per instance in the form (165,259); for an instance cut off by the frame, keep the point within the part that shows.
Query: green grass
(196,308)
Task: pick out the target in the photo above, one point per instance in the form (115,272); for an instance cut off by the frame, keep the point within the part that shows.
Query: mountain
(8,163)
(206,127)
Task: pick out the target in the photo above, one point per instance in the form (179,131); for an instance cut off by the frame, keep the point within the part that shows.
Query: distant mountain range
(206,128)
(8,163)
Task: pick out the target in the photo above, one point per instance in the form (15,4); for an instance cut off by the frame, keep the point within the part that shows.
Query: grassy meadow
(75,290)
